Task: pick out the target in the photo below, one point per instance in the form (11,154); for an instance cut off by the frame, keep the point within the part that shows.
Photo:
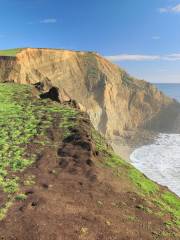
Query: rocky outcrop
(116,102)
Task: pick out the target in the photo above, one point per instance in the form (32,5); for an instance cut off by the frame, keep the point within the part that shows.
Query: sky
(141,36)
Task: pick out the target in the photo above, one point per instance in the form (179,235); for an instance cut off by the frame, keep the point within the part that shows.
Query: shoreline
(125,146)
(124,150)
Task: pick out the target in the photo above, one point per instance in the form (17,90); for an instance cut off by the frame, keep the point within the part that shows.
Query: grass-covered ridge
(165,202)
(24,120)
(10,52)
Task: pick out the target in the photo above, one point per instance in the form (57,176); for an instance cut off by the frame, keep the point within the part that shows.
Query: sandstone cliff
(115,101)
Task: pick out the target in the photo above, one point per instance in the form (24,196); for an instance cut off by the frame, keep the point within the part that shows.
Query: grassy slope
(24,118)
(10,52)
(165,201)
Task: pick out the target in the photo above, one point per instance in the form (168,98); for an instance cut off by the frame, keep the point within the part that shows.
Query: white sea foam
(160,161)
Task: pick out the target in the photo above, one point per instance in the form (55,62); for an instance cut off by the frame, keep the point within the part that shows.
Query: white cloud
(142,58)
(163,10)
(44,21)
(48,20)
(131,57)
(175,9)
(172,57)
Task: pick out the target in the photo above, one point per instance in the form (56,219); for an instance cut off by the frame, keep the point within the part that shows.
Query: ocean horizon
(170,89)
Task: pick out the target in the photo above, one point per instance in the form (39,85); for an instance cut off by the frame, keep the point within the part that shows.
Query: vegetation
(4,210)
(126,79)
(29,181)
(167,202)
(101,144)
(170,199)
(146,185)
(21,197)
(22,119)
(68,120)
(10,52)
(92,72)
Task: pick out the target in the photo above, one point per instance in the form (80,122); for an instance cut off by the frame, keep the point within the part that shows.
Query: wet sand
(124,147)
(123,151)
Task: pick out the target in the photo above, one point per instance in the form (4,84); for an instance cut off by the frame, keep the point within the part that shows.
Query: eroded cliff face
(115,102)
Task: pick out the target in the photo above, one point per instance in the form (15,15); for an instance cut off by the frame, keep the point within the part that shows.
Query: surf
(160,161)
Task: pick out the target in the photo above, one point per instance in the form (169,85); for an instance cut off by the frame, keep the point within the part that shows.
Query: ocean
(171,90)
(160,161)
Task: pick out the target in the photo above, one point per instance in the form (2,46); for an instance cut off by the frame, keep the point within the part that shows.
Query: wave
(160,161)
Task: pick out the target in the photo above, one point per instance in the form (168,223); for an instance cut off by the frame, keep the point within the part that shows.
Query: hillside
(60,180)
(117,103)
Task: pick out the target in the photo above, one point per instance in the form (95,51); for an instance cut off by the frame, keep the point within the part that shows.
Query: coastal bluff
(116,102)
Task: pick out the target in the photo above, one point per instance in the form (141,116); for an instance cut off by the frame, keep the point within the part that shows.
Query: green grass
(4,210)
(171,200)
(10,52)
(68,120)
(20,197)
(22,118)
(144,184)
(10,185)
(101,145)
(114,161)
(169,203)
(18,125)
(29,181)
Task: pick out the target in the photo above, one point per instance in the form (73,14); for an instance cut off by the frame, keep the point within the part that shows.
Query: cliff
(116,102)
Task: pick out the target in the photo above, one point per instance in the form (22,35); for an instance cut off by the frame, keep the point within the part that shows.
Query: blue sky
(142,36)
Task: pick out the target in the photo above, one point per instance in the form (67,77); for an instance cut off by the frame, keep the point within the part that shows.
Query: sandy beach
(123,150)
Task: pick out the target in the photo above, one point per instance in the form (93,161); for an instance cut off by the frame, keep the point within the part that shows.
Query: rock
(52,94)
(82,108)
